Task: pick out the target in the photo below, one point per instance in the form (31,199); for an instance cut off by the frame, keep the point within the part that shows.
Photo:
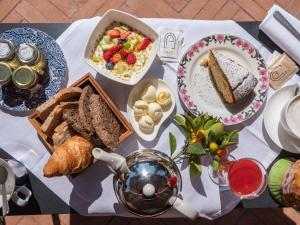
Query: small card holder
(281,69)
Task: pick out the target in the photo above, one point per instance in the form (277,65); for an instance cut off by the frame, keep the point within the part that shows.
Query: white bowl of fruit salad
(121,47)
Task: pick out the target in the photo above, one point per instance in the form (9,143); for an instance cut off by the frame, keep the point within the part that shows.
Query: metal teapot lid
(152,184)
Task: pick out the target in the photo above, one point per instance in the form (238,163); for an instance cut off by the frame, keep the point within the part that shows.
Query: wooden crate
(88,79)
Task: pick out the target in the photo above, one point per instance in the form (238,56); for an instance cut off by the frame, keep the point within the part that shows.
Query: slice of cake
(232,80)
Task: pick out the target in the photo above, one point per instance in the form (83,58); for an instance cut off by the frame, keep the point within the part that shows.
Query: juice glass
(247,178)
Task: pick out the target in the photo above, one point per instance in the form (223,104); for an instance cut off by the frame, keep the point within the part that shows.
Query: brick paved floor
(23,11)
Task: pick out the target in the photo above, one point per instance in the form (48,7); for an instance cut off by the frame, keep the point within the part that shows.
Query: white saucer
(272,120)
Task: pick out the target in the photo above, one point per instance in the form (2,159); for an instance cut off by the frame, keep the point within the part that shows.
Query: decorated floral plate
(197,91)
(56,69)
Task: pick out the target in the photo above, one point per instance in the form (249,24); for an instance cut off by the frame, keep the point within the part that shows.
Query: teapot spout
(115,161)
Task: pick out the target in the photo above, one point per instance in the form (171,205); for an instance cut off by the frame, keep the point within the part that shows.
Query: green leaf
(182,123)
(180,120)
(172,142)
(215,163)
(233,135)
(208,124)
(211,136)
(196,149)
(197,122)
(190,120)
(195,166)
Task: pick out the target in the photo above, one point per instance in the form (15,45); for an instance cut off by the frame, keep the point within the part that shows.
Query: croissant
(72,156)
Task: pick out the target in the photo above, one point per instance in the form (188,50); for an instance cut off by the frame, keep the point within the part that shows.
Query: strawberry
(143,44)
(172,181)
(113,33)
(116,58)
(131,59)
(107,55)
(123,53)
(115,49)
(125,34)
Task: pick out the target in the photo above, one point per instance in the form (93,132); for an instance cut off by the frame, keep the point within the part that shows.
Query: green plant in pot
(204,135)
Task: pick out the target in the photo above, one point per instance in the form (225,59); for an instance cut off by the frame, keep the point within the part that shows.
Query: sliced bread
(66,94)
(71,116)
(104,122)
(84,111)
(55,117)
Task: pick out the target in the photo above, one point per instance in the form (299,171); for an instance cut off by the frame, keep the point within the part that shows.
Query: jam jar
(5,74)
(24,77)
(7,53)
(30,55)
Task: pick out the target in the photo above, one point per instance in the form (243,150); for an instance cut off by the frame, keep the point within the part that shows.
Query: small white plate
(272,120)
(135,95)
(10,182)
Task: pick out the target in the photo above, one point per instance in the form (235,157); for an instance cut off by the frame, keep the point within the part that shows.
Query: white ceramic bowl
(135,95)
(117,16)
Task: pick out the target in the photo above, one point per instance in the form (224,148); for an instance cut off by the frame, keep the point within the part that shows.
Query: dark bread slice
(71,116)
(104,122)
(84,111)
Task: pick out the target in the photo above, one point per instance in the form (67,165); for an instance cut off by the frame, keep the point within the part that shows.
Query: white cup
(286,120)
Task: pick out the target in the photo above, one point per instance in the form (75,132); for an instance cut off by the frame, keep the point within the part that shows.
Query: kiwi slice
(276,176)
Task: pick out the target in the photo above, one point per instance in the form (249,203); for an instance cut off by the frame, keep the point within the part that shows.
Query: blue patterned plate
(56,69)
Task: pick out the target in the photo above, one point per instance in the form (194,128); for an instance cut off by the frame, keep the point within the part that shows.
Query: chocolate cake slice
(233,81)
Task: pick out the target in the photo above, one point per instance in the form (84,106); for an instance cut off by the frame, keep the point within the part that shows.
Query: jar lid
(150,186)
(7,49)
(5,73)
(24,77)
(27,53)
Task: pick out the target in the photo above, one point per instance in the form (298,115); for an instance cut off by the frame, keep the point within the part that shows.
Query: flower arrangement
(204,135)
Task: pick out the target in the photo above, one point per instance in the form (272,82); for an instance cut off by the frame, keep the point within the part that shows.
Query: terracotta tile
(113,4)
(284,3)
(141,8)
(28,220)
(294,7)
(228,11)
(210,9)
(291,215)
(252,8)
(89,9)
(69,7)
(12,220)
(241,15)
(6,6)
(26,10)
(266,4)
(191,10)
(44,219)
(178,5)
(12,17)
(49,11)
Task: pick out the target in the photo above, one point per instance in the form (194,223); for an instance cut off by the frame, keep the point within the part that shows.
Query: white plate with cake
(224,76)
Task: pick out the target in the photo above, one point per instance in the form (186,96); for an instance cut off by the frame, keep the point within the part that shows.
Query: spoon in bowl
(3,178)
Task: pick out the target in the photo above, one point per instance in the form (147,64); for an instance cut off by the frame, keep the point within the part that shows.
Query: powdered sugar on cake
(242,82)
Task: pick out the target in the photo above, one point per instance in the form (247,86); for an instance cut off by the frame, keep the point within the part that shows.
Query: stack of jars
(23,66)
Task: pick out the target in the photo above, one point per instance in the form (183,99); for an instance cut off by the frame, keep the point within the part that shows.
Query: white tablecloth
(92,192)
